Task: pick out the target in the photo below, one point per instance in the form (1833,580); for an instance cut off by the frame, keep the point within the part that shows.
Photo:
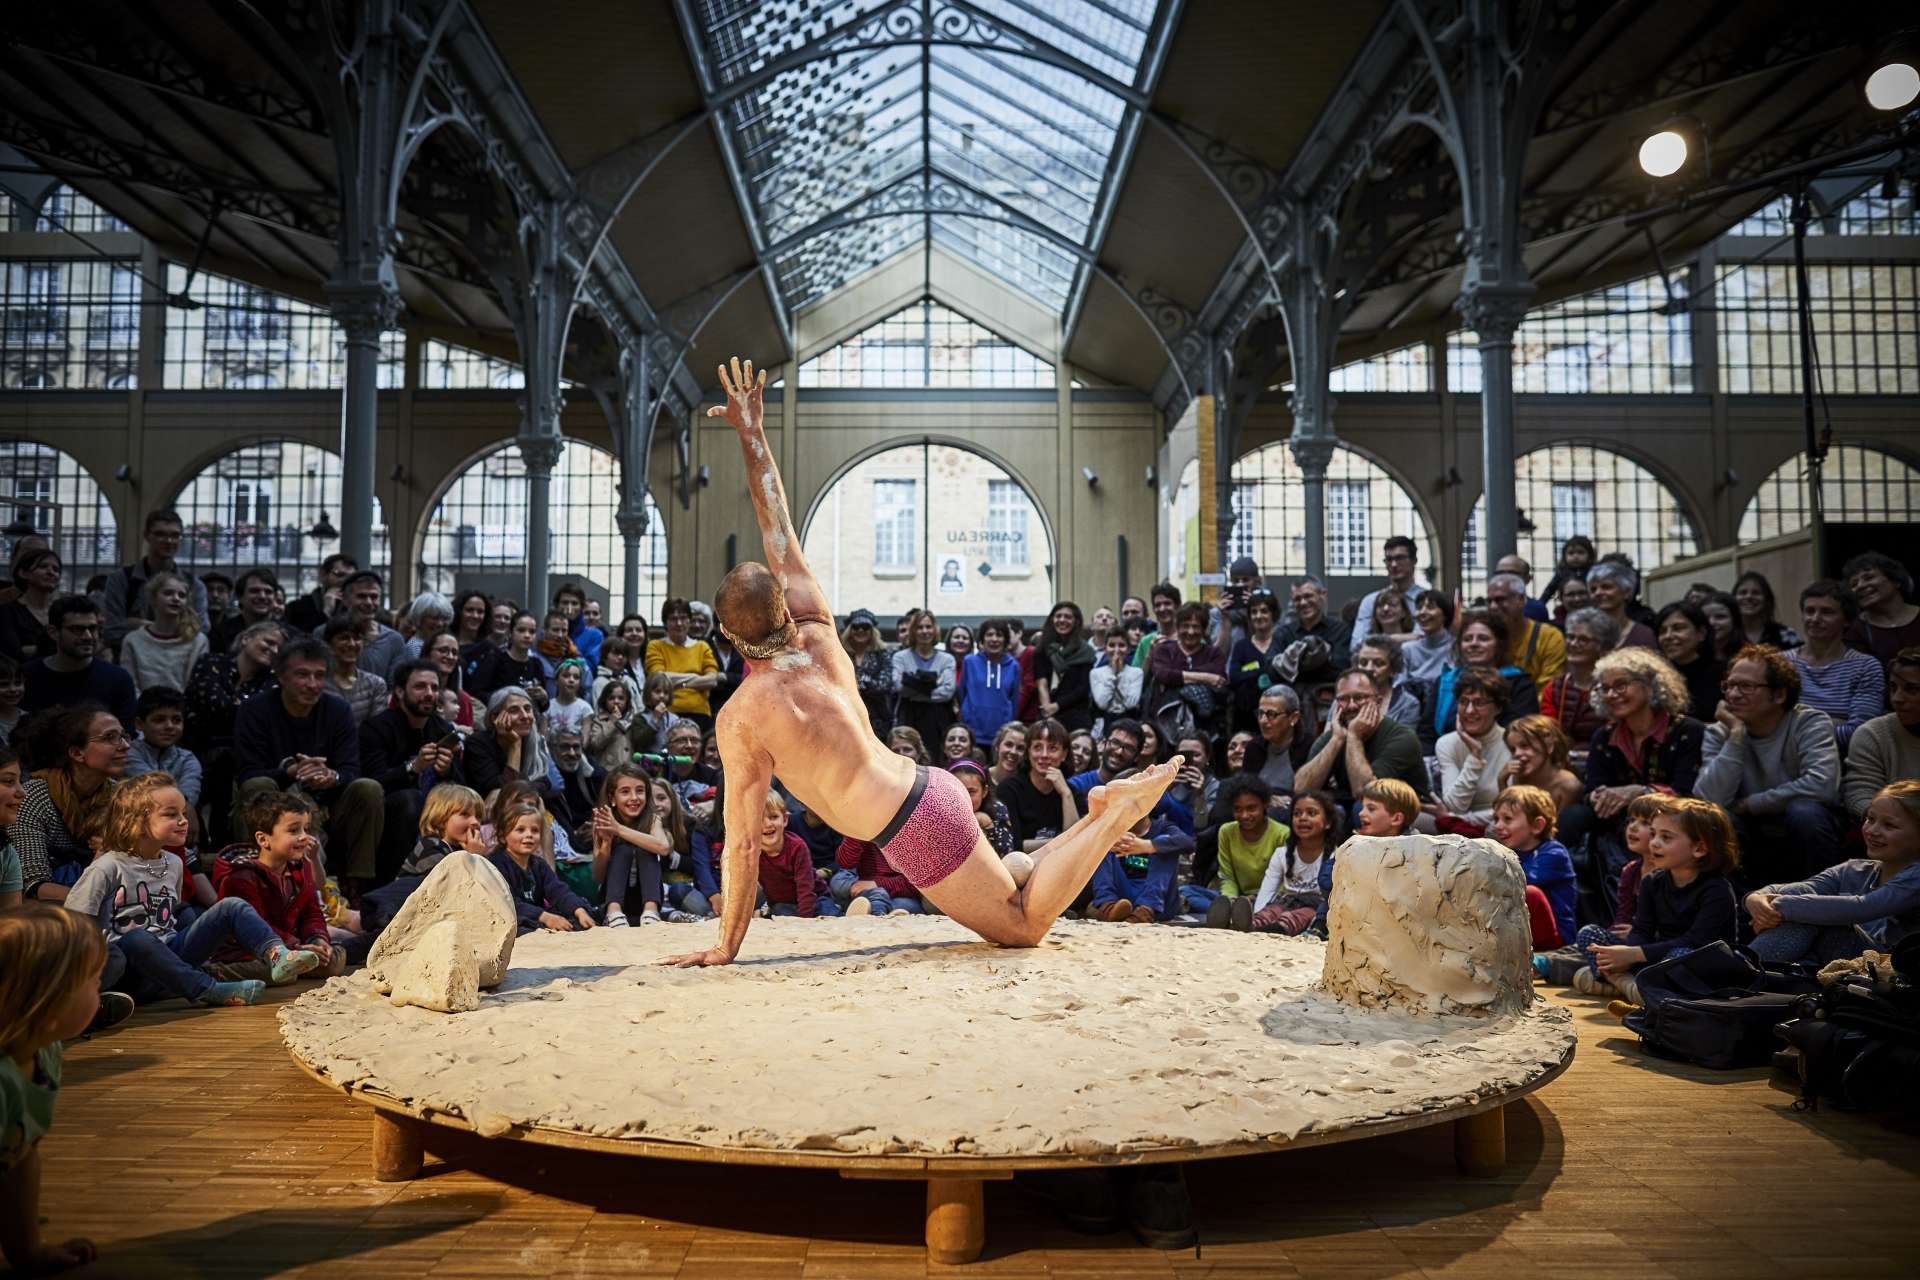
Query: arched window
(1365,507)
(65,209)
(270,504)
(1857,483)
(1568,489)
(931,526)
(926,345)
(47,492)
(477,535)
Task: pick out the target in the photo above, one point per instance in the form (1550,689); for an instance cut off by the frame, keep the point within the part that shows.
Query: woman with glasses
(1649,743)
(77,755)
(872,668)
(1568,699)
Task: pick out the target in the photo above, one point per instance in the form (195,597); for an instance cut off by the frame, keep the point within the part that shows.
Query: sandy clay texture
(908,1034)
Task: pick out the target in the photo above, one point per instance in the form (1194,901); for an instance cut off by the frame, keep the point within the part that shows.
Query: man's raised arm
(746,410)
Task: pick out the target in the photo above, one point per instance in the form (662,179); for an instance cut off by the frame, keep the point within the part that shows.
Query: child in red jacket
(273,874)
(785,867)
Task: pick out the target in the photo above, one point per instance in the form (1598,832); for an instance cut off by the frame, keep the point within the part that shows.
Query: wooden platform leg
(399,1147)
(956,1220)
(1480,1143)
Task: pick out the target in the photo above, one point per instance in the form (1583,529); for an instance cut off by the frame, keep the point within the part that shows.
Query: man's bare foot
(1136,795)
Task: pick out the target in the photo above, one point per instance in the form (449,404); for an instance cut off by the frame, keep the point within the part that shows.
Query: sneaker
(1219,912)
(1141,915)
(289,964)
(618,920)
(1589,983)
(1621,1008)
(1540,967)
(673,915)
(860,907)
(649,917)
(899,911)
(1158,1209)
(1240,915)
(1114,912)
(337,962)
(115,1008)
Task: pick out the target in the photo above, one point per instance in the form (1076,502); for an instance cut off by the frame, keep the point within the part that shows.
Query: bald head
(751,606)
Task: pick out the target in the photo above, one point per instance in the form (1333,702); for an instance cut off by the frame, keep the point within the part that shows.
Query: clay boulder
(1429,924)
(451,940)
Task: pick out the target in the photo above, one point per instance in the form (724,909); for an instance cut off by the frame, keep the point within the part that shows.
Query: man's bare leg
(981,894)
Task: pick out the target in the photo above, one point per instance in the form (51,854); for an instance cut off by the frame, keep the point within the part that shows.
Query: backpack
(1715,1006)
(1856,1042)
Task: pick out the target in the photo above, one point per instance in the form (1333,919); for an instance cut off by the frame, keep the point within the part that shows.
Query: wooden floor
(187,1144)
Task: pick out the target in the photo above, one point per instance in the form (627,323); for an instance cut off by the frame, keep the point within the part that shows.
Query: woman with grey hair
(429,613)
(1568,698)
(511,747)
(1613,586)
(1649,743)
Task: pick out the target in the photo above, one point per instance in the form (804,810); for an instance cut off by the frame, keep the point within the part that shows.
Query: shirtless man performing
(799,714)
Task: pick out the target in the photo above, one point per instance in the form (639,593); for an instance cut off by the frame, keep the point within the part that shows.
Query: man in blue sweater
(303,738)
(70,673)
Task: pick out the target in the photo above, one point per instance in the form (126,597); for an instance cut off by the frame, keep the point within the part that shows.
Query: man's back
(803,711)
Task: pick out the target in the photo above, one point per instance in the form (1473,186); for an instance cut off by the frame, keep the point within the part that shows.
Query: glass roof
(856,136)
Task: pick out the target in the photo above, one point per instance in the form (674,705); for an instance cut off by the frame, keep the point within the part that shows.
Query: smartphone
(449,743)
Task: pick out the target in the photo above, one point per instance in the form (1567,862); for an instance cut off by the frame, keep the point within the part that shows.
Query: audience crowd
(237,788)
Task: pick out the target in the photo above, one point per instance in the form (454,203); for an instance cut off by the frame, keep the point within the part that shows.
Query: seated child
(688,870)
(12,795)
(274,874)
(629,840)
(540,896)
(1293,893)
(654,724)
(161,718)
(1871,902)
(1134,882)
(1686,899)
(865,883)
(785,870)
(1523,820)
(1641,811)
(1247,846)
(50,964)
(1388,807)
(451,819)
(133,891)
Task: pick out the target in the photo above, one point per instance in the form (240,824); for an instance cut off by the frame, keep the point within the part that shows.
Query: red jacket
(290,905)
(864,859)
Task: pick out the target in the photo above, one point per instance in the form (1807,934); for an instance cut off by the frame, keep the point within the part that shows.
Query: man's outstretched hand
(710,958)
(746,396)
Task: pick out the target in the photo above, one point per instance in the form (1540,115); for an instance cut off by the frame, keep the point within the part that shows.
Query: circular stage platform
(907,1048)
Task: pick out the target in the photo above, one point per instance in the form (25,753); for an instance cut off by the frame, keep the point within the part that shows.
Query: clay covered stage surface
(909,1036)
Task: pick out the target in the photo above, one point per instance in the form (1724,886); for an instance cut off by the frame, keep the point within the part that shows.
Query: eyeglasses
(1395,557)
(1618,689)
(81,628)
(1270,713)
(1475,702)
(113,739)
(1743,686)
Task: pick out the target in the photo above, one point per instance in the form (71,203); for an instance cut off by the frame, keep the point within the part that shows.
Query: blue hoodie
(1549,868)
(989,695)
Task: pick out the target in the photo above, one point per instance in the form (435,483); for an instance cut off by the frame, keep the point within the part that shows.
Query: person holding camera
(923,675)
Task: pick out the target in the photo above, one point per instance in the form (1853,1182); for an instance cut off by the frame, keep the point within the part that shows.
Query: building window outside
(1864,215)
(1858,484)
(68,323)
(927,345)
(1349,548)
(894,521)
(1605,495)
(48,493)
(1406,369)
(1240,541)
(65,209)
(1008,514)
(243,337)
(1572,509)
(259,503)
(1866,328)
(444,366)
(1621,340)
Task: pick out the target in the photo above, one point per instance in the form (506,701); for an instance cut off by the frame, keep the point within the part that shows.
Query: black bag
(1715,1006)
(1853,1046)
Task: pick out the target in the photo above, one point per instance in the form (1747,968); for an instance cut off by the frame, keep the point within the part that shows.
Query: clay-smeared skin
(1104,1037)
(1429,924)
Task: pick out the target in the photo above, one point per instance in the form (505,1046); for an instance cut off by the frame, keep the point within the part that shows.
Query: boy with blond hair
(1388,807)
(1523,820)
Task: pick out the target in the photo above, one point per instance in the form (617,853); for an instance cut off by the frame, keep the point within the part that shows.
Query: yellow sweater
(692,659)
